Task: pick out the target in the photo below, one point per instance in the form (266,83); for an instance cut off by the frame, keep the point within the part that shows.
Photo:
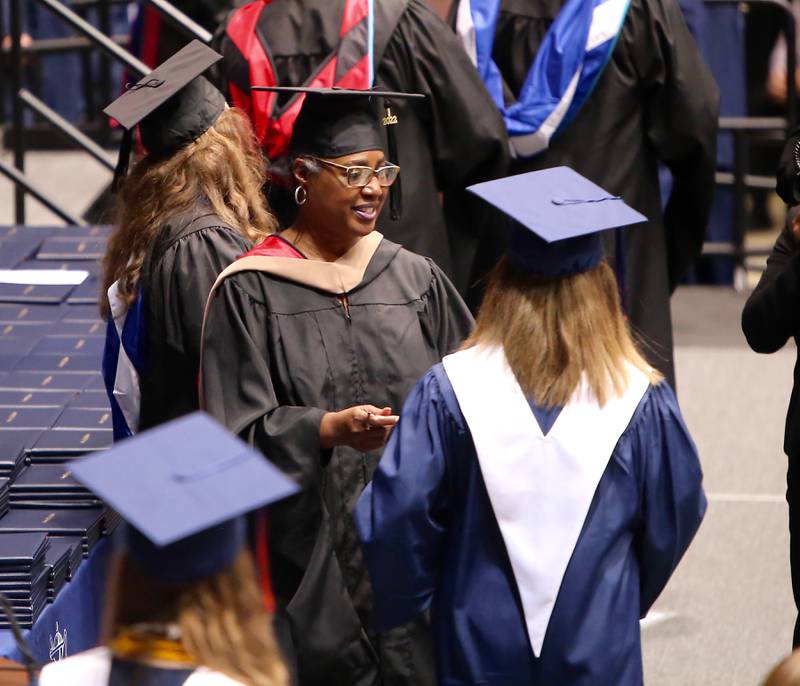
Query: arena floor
(727,615)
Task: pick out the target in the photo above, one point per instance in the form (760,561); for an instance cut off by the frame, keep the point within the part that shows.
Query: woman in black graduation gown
(189,208)
(452,139)
(769,320)
(311,342)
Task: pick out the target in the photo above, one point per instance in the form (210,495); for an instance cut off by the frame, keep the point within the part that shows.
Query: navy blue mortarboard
(183,488)
(559,218)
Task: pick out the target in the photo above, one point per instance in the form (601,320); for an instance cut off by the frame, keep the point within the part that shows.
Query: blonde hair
(557,331)
(222,621)
(224,166)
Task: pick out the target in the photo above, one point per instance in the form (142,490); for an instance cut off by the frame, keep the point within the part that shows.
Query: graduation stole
(566,69)
(123,361)
(540,486)
(349,66)
(141,647)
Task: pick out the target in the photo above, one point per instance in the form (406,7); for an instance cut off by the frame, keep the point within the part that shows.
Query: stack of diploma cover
(53,408)
(86,523)
(74,547)
(43,486)
(56,562)
(23,575)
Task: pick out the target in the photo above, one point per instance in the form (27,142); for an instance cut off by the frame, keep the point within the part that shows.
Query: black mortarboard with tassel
(173,105)
(337,121)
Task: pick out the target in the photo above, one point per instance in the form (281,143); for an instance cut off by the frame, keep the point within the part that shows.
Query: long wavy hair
(556,332)
(222,621)
(224,167)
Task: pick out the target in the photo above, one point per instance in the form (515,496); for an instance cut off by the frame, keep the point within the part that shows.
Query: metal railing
(89,38)
(741,128)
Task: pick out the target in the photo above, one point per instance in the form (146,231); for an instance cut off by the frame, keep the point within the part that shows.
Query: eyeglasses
(358,176)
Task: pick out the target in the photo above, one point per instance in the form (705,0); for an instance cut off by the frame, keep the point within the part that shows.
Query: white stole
(540,486)
(126,379)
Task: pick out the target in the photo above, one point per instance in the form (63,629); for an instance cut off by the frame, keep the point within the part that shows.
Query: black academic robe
(177,275)
(655,102)
(279,354)
(453,138)
(771,317)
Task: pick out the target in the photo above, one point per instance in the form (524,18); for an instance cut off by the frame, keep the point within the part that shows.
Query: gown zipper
(345,303)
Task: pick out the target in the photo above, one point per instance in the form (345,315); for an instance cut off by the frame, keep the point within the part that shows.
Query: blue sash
(123,359)
(566,69)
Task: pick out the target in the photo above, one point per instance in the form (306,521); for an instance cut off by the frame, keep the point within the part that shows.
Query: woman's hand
(363,427)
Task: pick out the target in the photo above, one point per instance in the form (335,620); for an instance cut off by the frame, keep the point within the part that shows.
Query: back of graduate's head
(220,619)
(554,330)
(196,150)
(553,302)
(223,167)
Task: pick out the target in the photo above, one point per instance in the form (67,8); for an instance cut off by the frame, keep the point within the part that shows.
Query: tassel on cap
(396,191)
(121,170)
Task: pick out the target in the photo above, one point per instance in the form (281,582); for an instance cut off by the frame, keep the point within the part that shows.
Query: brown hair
(224,166)
(222,621)
(555,331)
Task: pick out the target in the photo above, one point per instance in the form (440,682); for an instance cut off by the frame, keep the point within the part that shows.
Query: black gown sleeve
(181,279)
(681,114)
(458,106)
(772,312)
(446,313)
(239,391)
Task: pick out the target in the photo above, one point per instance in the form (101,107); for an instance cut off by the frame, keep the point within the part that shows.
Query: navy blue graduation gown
(431,541)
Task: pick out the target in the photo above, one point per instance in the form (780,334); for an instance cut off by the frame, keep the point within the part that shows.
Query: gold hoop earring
(297,198)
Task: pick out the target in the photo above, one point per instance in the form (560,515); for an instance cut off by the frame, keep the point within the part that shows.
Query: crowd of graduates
(421,272)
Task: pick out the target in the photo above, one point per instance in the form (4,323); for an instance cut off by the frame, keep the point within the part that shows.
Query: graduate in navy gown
(541,486)
(182,604)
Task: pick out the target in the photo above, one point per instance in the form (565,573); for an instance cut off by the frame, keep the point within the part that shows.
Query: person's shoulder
(657,404)
(89,668)
(439,390)
(422,268)
(197,224)
(187,233)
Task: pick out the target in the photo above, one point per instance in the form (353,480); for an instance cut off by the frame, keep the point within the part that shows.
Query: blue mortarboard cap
(559,216)
(182,488)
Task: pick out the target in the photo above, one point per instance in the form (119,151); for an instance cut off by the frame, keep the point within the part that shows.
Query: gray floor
(727,615)
(72,179)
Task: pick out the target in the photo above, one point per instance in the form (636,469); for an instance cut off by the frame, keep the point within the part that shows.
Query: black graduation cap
(173,105)
(339,121)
